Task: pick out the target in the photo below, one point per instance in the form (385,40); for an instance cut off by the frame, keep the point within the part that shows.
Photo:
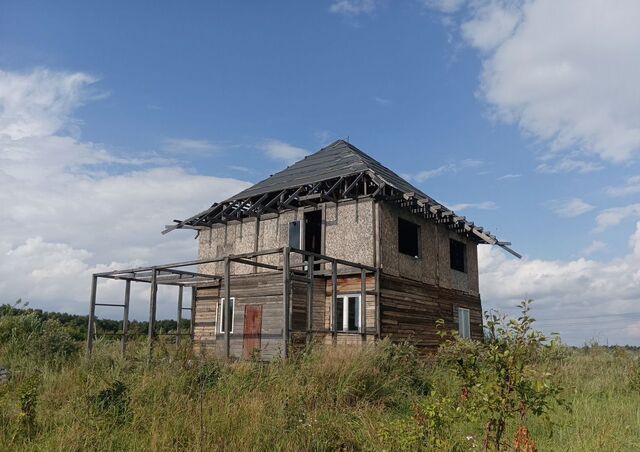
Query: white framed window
(232,305)
(464,323)
(348,312)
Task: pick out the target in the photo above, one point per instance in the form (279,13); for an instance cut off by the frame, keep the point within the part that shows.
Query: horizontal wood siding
(410,310)
(350,285)
(204,331)
(263,289)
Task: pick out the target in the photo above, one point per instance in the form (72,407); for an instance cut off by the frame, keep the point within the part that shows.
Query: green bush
(27,335)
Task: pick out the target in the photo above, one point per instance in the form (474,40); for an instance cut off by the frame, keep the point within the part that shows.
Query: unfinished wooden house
(337,249)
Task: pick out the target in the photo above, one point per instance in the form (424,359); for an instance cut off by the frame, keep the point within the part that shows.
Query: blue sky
(527,136)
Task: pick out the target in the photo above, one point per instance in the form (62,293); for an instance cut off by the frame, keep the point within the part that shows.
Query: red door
(252,329)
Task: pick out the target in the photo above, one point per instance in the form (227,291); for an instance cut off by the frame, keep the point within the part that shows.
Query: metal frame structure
(173,274)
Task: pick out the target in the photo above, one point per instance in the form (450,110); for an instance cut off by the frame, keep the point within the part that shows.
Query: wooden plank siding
(350,285)
(410,310)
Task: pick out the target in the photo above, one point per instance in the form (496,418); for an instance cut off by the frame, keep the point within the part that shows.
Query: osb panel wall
(433,266)
(349,232)
(410,310)
(349,235)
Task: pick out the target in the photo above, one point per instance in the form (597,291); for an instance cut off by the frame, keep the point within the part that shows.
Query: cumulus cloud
(568,293)
(616,215)
(40,103)
(569,208)
(279,150)
(564,71)
(72,207)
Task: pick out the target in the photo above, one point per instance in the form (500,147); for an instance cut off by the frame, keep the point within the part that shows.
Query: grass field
(381,397)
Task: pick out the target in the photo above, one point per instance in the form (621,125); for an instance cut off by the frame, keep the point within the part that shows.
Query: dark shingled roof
(338,159)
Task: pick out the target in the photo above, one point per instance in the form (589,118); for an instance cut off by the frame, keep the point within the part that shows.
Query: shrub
(27,335)
(502,379)
(27,403)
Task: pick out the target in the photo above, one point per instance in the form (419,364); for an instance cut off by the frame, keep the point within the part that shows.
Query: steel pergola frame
(172,274)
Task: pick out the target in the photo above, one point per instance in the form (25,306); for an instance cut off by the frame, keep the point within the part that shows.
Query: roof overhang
(363,184)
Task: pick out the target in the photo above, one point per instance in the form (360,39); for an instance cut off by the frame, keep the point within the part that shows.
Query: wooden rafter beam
(353,184)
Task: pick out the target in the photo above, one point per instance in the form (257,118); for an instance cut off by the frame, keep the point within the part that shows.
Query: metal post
(285,301)
(92,314)
(334,300)
(192,323)
(363,304)
(152,309)
(310,265)
(378,306)
(179,317)
(227,319)
(125,316)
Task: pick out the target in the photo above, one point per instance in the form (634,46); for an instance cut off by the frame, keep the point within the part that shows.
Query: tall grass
(321,399)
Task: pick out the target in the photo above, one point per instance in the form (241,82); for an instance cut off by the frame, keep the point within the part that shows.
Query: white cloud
(40,103)
(490,25)
(354,7)
(631,187)
(279,150)
(594,247)
(510,176)
(382,100)
(72,207)
(567,290)
(485,205)
(616,215)
(444,169)
(568,165)
(569,208)
(445,6)
(564,71)
(189,145)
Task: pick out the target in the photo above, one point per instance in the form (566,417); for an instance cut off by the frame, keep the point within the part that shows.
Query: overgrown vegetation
(516,391)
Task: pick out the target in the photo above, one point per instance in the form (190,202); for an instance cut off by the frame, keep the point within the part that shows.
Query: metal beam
(285,302)
(152,311)
(92,314)
(125,317)
(227,319)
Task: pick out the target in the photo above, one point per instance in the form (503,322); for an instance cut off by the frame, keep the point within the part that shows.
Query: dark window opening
(457,252)
(408,238)
(313,233)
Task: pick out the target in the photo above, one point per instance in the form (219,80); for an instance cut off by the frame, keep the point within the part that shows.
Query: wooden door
(252,329)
